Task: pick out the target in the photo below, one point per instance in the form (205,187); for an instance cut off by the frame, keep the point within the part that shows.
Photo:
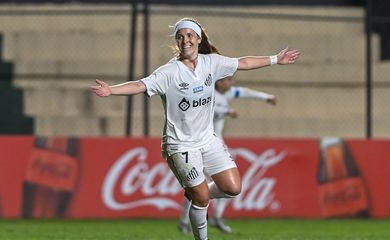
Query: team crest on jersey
(184,104)
(192,174)
(183,86)
(197,89)
(208,81)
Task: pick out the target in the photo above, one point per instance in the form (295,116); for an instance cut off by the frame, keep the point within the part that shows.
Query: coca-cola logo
(51,169)
(140,178)
(348,194)
(257,190)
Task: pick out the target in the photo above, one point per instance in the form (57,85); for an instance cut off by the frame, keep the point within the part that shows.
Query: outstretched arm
(243,92)
(127,88)
(285,56)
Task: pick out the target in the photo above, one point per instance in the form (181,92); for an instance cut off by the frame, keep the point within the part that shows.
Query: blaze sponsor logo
(201,102)
(184,104)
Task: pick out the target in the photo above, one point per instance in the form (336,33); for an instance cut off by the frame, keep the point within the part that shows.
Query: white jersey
(188,99)
(222,104)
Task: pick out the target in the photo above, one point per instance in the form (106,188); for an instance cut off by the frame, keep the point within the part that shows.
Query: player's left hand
(287,56)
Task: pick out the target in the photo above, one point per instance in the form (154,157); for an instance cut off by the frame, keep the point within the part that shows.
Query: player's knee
(233,190)
(201,201)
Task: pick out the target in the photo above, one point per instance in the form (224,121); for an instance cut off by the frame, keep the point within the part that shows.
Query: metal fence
(58,50)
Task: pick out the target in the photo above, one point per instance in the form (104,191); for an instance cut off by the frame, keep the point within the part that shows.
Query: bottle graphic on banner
(50,178)
(342,191)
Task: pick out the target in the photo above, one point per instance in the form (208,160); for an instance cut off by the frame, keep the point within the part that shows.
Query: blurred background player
(224,93)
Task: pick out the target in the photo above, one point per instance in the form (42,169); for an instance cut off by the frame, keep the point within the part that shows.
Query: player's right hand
(272,100)
(102,89)
(232,113)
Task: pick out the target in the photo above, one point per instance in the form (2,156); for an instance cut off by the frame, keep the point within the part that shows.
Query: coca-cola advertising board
(46,177)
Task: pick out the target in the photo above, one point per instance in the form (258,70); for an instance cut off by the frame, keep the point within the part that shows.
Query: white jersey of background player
(224,93)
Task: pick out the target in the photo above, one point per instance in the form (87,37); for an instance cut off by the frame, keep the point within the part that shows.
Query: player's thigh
(222,168)
(187,167)
(229,181)
(216,158)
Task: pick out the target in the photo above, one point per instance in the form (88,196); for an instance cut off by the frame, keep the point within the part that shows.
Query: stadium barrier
(63,177)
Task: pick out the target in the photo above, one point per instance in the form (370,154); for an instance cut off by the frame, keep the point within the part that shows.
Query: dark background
(208,2)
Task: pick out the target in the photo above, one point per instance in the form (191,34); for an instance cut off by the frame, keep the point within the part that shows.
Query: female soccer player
(224,93)
(186,86)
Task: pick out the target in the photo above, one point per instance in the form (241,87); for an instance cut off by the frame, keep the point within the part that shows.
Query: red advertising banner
(44,177)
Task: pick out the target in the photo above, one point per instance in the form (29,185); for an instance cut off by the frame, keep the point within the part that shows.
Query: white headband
(188,24)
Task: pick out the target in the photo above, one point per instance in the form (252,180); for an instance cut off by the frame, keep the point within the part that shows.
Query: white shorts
(190,167)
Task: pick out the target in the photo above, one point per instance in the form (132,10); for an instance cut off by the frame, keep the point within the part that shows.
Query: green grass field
(267,229)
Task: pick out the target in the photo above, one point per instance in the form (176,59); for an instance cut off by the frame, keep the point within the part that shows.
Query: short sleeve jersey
(188,99)
(222,106)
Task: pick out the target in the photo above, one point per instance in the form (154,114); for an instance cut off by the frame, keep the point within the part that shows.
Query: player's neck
(191,62)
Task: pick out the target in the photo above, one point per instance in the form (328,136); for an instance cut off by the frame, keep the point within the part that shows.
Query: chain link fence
(58,50)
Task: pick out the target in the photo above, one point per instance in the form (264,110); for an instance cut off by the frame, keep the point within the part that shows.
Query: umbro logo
(183,86)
